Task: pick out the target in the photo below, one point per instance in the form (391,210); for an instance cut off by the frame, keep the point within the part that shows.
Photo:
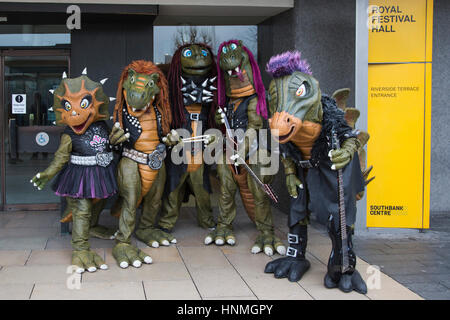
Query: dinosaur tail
(244,190)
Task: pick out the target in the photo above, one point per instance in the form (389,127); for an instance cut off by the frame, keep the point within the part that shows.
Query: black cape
(320,193)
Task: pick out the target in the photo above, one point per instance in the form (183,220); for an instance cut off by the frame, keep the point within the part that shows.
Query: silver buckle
(195,116)
(293,238)
(156,158)
(103,159)
(291,252)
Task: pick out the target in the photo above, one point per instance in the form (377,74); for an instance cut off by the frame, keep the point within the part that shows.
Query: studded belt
(102,159)
(154,160)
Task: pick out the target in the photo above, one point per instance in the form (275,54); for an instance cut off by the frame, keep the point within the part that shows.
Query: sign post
(399,112)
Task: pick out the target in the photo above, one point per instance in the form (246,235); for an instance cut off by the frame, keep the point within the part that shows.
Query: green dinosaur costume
(142,109)
(241,94)
(191,77)
(83,160)
(322,167)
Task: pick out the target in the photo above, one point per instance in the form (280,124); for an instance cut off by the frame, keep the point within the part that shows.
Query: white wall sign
(19,104)
(42,139)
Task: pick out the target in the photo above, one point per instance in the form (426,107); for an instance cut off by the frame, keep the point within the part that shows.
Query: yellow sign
(399,112)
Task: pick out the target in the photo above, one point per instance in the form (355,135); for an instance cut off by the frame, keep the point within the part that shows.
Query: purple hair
(286,63)
(261,107)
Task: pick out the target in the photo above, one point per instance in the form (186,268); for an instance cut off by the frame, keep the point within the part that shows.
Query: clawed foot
(154,237)
(288,267)
(102,232)
(347,283)
(268,242)
(126,254)
(87,260)
(220,236)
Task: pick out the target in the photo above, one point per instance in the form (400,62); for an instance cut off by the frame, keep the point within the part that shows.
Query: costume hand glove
(292,182)
(172,138)
(220,115)
(210,139)
(117,135)
(40,180)
(342,156)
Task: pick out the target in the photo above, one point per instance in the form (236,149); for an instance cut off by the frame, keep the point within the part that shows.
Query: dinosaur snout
(284,126)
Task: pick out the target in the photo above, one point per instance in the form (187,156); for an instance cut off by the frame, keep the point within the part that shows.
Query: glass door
(30,135)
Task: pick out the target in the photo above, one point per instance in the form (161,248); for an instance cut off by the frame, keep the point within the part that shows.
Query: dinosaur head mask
(79,102)
(294,95)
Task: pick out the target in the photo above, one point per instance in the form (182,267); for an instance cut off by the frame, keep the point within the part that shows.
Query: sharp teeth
(182,80)
(134,109)
(64,76)
(103,81)
(212,80)
(205,83)
(237,69)
(50,109)
(51,91)
(112,98)
(84,71)
(230,72)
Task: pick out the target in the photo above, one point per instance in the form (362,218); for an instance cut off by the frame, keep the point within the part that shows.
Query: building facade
(38,41)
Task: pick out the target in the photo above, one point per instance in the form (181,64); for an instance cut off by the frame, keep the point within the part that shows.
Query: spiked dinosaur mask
(295,96)
(192,61)
(79,102)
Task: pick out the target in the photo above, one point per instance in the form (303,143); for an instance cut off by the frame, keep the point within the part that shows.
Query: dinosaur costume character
(83,160)
(306,122)
(142,109)
(241,94)
(192,77)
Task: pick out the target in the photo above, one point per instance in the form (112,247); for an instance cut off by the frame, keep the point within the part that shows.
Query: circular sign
(42,139)
(19,98)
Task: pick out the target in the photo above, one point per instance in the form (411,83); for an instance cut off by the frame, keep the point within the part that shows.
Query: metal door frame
(20,53)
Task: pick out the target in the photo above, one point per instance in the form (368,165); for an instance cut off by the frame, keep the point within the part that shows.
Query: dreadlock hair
(175,84)
(162,99)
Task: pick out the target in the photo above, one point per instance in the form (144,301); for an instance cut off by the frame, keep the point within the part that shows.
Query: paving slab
(57,274)
(219,282)
(90,291)
(25,243)
(14,258)
(15,291)
(154,271)
(171,290)
(54,257)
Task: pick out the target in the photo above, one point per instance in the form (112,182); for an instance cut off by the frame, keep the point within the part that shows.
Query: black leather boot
(294,265)
(349,279)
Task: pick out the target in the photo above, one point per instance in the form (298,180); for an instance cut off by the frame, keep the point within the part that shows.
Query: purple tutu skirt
(86,182)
